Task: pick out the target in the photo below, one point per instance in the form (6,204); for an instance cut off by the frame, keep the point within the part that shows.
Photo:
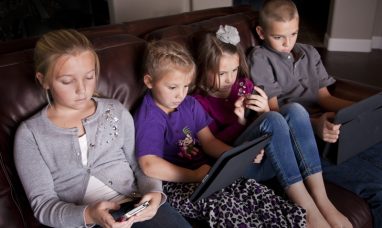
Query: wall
(377,32)
(205,4)
(352,25)
(129,10)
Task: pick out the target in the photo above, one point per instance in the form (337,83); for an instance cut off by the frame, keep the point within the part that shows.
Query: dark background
(26,18)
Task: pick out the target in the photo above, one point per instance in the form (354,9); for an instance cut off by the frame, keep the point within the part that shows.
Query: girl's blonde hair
(163,55)
(209,52)
(277,10)
(52,45)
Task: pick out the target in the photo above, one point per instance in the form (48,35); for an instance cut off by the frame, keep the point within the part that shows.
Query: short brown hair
(277,10)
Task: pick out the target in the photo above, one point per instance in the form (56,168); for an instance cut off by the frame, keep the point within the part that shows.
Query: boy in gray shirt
(293,72)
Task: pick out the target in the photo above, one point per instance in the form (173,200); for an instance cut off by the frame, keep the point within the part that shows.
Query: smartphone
(249,112)
(127,210)
(137,209)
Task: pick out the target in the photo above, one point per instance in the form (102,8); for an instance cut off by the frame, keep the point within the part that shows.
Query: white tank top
(96,189)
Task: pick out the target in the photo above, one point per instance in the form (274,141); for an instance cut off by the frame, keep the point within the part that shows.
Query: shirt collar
(297,51)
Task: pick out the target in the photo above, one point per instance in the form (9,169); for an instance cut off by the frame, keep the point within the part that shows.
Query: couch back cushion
(120,60)
(141,27)
(184,33)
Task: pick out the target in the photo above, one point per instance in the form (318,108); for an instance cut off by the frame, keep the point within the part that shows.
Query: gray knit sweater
(48,161)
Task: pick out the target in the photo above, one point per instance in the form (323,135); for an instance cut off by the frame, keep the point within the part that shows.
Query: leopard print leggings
(245,203)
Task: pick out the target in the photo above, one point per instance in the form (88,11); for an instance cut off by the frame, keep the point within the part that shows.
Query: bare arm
(157,167)
(322,126)
(211,145)
(273,104)
(331,103)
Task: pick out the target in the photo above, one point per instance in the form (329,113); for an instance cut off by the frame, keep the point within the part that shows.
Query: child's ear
(260,32)
(40,78)
(148,80)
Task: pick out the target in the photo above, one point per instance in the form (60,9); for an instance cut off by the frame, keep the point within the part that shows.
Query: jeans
(362,175)
(292,154)
(165,217)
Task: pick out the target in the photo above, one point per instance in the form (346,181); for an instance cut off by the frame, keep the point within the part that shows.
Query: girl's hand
(98,213)
(155,199)
(240,110)
(257,102)
(326,130)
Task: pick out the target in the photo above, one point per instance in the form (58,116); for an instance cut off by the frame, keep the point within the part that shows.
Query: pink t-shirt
(225,125)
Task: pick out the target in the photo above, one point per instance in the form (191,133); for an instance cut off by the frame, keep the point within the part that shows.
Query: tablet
(230,166)
(361,128)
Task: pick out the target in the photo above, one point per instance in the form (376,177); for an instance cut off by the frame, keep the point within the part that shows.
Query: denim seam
(306,170)
(285,182)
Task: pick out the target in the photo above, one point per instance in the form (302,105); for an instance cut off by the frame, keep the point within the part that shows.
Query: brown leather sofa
(120,49)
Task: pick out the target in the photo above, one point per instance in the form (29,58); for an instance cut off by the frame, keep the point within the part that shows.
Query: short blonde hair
(55,44)
(277,10)
(163,55)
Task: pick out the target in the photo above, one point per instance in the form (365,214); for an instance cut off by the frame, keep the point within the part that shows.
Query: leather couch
(120,48)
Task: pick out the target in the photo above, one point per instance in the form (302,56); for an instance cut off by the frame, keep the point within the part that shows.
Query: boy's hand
(326,130)
(257,102)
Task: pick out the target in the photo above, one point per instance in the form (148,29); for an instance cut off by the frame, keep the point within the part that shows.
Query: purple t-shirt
(171,136)
(225,125)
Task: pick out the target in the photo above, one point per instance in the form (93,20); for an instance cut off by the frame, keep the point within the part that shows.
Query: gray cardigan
(48,161)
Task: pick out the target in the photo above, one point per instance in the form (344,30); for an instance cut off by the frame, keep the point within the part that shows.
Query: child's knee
(294,110)
(275,119)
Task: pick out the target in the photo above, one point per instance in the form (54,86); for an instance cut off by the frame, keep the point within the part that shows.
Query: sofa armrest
(351,90)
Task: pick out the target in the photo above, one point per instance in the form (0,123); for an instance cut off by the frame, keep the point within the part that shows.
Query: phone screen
(127,210)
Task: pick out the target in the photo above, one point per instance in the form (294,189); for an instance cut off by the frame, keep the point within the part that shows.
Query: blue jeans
(292,154)
(362,175)
(165,217)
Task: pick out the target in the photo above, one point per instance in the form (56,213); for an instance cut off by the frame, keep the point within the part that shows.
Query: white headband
(228,34)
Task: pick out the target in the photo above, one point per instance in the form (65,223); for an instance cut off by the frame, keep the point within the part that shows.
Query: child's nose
(80,87)
(180,93)
(286,42)
(229,78)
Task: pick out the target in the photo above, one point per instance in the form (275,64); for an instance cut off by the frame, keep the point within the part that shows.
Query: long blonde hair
(52,45)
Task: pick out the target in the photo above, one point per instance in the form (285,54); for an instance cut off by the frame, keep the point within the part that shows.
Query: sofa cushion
(184,33)
(121,60)
(355,208)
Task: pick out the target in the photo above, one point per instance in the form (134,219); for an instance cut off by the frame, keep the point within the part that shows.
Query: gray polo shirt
(294,77)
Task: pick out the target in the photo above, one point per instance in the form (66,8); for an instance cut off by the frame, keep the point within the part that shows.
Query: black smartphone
(127,210)
(249,112)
